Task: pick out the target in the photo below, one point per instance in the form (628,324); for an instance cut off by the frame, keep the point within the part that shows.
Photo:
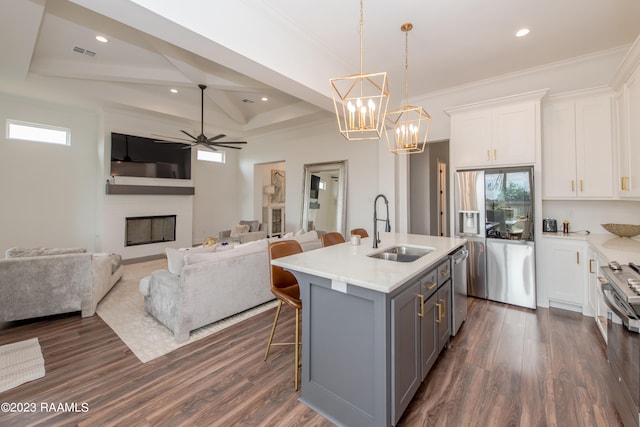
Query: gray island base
(371,328)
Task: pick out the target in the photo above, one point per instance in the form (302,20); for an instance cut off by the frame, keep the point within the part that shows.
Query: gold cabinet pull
(421,314)
(444,273)
(444,308)
(495,157)
(581,185)
(573,186)
(591,266)
(439,313)
(431,285)
(577,257)
(488,155)
(624,183)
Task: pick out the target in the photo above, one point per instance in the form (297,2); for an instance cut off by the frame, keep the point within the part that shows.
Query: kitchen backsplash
(588,215)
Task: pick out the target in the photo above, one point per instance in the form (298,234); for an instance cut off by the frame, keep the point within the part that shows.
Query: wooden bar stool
(332,238)
(359,232)
(284,287)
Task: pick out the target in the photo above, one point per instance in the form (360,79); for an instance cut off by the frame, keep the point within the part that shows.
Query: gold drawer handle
(439,312)
(421,314)
(444,308)
(624,184)
(432,285)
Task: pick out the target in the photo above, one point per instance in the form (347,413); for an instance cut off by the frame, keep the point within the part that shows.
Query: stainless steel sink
(401,253)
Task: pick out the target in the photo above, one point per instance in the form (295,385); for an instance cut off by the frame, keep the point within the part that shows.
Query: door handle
(573,186)
(577,257)
(439,319)
(444,309)
(591,266)
(488,155)
(581,186)
(495,157)
(421,314)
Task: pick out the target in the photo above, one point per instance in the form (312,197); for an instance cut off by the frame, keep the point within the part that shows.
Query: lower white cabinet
(564,272)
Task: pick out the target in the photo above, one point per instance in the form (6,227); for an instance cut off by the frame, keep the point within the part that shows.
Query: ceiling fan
(209,143)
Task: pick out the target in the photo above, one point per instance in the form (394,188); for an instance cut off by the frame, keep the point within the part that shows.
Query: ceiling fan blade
(189,135)
(225,146)
(207,146)
(230,142)
(217,137)
(169,138)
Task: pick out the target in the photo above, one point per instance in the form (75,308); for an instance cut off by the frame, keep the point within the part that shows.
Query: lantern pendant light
(410,125)
(361,100)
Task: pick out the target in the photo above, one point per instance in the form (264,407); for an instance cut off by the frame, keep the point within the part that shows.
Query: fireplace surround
(144,230)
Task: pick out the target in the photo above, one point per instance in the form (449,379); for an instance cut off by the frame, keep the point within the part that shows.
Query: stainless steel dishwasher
(459,297)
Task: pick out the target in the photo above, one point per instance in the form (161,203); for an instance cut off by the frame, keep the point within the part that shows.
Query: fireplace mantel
(149,189)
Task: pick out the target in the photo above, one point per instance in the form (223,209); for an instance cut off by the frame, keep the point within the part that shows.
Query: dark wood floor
(506,367)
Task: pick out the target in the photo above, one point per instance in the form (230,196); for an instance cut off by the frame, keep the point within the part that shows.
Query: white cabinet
(273,218)
(564,272)
(577,147)
(496,133)
(629,157)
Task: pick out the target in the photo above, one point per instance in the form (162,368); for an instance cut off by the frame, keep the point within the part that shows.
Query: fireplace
(144,230)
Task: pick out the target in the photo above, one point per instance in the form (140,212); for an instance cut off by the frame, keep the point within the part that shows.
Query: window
(36,132)
(211,156)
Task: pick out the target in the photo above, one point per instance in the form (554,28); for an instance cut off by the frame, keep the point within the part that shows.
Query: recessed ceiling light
(102,39)
(264,98)
(173,90)
(522,32)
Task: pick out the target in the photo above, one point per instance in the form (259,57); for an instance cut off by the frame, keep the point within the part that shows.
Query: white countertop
(350,264)
(609,246)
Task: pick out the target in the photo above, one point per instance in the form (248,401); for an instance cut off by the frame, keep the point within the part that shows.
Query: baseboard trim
(143,259)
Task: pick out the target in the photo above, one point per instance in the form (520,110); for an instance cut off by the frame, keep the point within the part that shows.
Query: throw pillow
(306,237)
(253,225)
(239,229)
(175,257)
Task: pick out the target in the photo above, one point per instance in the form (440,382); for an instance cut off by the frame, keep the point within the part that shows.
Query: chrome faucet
(387,228)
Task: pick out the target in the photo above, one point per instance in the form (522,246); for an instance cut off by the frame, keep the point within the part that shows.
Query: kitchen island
(371,328)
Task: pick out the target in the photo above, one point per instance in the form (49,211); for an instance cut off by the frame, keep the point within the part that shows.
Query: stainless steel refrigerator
(494,211)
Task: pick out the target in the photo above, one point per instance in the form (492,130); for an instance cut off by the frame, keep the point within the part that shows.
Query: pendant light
(361,100)
(410,124)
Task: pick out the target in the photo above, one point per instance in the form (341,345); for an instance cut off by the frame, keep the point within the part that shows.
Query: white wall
(316,143)
(48,192)
(209,211)
(567,76)
(588,215)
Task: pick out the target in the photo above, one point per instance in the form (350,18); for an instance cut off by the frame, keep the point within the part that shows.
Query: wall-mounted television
(145,157)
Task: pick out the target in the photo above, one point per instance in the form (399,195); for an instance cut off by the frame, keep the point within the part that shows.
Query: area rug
(20,362)
(123,310)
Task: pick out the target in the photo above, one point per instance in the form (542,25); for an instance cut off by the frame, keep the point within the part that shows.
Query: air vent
(83,51)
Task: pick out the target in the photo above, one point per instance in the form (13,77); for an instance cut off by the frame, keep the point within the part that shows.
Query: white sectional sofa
(204,285)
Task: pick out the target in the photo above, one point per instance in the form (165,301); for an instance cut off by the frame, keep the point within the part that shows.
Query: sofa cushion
(306,237)
(175,257)
(28,252)
(253,225)
(237,251)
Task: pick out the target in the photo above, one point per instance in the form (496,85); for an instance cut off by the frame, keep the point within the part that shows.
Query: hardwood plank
(507,366)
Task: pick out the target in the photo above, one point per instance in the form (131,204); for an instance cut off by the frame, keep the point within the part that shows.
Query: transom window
(211,156)
(26,131)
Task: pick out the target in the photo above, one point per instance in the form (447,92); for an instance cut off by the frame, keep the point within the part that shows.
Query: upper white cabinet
(577,146)
(627,84)
(499,132)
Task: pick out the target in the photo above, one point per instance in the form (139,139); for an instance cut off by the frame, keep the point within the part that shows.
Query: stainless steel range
(621,289)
